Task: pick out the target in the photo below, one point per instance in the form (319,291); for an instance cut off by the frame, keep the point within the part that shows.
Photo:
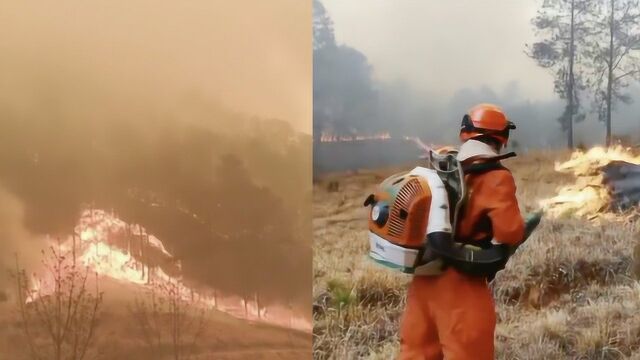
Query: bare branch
(68,314)
(184,326)
(21,282)
(92,322)
(626,74)
(621,57)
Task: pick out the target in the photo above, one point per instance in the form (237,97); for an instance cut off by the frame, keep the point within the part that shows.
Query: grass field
(568,293)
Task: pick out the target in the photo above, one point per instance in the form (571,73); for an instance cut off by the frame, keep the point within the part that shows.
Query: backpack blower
(413,217)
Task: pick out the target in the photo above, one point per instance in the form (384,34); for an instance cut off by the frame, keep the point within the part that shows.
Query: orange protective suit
(452,316)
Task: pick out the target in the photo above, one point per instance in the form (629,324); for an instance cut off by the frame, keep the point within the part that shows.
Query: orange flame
(329,137)
(588,196)
(98,252)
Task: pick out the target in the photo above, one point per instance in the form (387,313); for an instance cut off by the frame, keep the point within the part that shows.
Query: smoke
(151,110)
(413,77)
(145,54)
(16,241)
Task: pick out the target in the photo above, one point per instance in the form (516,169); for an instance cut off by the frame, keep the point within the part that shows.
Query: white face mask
(472,148)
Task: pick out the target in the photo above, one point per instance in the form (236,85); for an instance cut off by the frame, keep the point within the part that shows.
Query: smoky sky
(445,45)
(430,61)
(251,56)
(202,106)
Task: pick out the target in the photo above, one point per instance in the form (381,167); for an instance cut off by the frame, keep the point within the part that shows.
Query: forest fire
(123,252)
(591,194)
(329,137)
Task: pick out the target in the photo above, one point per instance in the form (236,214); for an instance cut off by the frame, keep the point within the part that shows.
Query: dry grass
(118,336)
(569,293)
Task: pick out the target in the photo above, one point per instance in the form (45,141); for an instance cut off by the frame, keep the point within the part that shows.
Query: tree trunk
(610,75)
(290,315)
(570,92)
(258,303)
(141,251)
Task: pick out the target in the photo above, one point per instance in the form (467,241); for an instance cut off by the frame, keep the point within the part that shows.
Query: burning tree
(170,313)
(61,322)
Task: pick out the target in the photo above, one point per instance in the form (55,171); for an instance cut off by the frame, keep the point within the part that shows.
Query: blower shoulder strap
(486,166)
(476,168)
(480,168)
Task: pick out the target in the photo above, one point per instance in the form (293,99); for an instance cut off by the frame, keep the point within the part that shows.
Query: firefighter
(452,316)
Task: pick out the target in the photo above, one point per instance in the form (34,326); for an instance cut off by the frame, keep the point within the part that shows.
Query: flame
(34,290)
(104,250)
(87,234)
(582,163)
(329,137)
(587,196)
(114,263)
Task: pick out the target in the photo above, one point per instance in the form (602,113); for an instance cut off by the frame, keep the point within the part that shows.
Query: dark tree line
(591,47)
(233,208)
(345,97)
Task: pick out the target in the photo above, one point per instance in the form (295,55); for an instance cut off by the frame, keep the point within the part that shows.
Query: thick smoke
(18,244)
(157,111)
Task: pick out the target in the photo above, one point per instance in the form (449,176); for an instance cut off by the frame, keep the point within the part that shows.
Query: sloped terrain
(118,337)
(569,293)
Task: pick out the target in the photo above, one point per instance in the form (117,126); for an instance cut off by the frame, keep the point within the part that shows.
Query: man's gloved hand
(531,221)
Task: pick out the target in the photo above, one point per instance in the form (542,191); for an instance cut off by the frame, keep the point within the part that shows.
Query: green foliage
(341,293)
(561,27)
(614,55)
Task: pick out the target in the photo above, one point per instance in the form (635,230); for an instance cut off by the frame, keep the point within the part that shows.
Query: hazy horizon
(421,65)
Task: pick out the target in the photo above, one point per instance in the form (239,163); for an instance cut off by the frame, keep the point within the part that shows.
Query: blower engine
(413,216)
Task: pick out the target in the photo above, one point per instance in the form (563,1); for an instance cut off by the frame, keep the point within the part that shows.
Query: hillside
(119,338)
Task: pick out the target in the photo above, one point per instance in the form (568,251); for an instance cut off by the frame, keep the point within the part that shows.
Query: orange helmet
(486,120)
